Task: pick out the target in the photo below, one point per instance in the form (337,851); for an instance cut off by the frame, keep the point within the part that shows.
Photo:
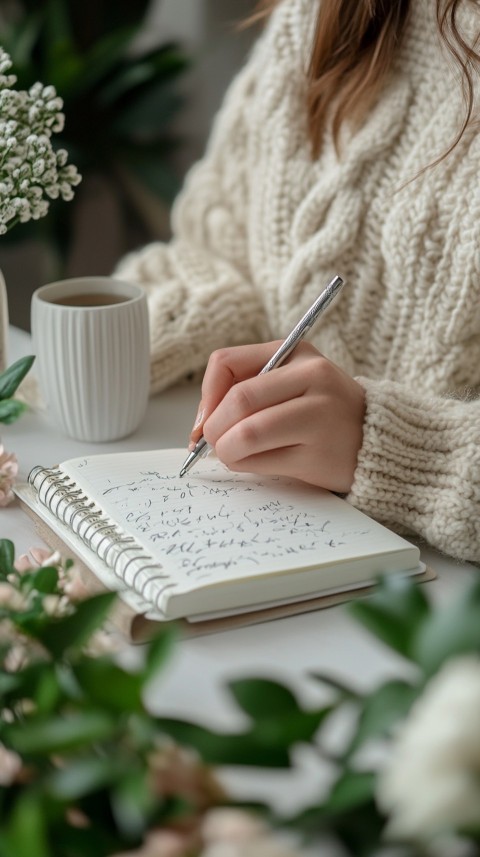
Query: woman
(346,145)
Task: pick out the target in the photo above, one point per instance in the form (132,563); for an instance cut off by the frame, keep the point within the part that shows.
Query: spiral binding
(65,488)
(72,507)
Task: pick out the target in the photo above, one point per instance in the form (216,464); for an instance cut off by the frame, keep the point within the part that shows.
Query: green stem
(13,222)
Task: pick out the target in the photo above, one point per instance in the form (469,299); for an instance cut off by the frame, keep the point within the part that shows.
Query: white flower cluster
(432,783)
(31,172)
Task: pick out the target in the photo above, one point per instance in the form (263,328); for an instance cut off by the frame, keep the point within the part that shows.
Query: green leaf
(30,682)
(58,734)
(45,580)
(108,685)
(132,803)
(20,40)
(12,377)
(58,38)
(287,730)
(349,816)
(47,690)
(81,75)
(158,652)
(10,410)
(352,790)
(149,113)
(71,632)
(104,56)
(451,630)
(267,743)
(32,620)
(382,709)
(278,720)
(215,748)
(27,833)
(81,777)
(127,77)
(8,683)
(262,698)
(361,832)
(65,68)
(96,840)
(158,67)
(339,687)
(394,613)
(7,557)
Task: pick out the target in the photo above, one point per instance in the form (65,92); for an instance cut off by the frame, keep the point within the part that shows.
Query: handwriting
(222,525)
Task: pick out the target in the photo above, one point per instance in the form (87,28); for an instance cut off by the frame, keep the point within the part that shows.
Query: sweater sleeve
(419,466)
(199,286)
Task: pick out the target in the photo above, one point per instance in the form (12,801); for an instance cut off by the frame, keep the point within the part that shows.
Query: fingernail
(191,446)
(199,418)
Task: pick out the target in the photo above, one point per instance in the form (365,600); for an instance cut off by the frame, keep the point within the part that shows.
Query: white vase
(3,323)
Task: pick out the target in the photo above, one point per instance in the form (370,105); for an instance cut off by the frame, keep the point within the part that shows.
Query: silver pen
(202,448)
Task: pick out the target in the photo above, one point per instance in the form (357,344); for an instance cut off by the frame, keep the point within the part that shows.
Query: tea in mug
(90,299)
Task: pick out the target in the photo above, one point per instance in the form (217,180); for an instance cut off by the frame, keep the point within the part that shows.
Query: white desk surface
(286,650)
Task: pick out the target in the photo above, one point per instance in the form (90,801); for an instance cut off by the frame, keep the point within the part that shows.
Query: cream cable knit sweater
(259,229)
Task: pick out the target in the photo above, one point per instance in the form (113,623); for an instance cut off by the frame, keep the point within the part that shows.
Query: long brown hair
(353,47)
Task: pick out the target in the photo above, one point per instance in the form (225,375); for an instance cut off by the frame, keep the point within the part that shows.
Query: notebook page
(214,526)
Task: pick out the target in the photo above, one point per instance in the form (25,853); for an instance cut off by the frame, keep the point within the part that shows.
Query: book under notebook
(214,541)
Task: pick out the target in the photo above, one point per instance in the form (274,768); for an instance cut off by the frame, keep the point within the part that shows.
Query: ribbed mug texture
(92,362)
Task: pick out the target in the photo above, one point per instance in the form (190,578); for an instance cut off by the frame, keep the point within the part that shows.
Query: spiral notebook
(214,543)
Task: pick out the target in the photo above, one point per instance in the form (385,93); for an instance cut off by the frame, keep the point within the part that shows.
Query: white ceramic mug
(91,340)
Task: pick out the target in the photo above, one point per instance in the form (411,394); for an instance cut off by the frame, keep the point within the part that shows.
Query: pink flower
(163,843)
(71,581)
(35,558)
(230,832)
(8,473)
(10,766)
(75,587)
(231,825)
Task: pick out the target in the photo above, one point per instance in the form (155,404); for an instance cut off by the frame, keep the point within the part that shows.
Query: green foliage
(399,615)
(77,721)
(394,613)
(277,725)
(90,749)
(449,632)
(119,99)
(10,379)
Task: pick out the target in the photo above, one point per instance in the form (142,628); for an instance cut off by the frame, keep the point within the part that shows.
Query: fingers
(304,419)
(249,405)
(304,437)
(226,367)
(267,431)
(286,425)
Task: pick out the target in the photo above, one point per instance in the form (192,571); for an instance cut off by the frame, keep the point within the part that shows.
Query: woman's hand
(303,419)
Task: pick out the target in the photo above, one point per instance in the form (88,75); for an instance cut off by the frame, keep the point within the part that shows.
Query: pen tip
(187,465)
